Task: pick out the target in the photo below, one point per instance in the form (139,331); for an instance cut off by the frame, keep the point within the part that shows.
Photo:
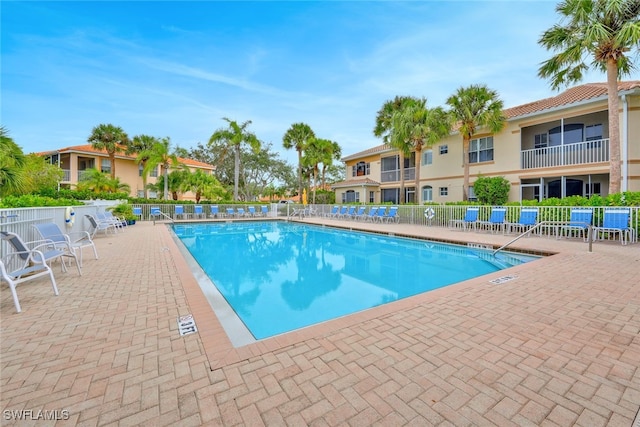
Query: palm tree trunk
(615,173)
(166,181)
(315,182)
(112,159)
(465,165)
(236,172)
(418,160)
(402,198)
(300,175)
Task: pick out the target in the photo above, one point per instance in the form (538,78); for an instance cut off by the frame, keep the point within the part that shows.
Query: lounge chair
(240,212)
(230,212)
(343,211)
(264,210)
(392,215)
(20,267)
(97,225)
(495,222)
(579,222)
(469,221)
(615,221)
(359,213)
(528,219)
(198,212)
(178,211)
(75,241)
(120,223)
(371,215)
(349,213)
(333,212)
(138,212)
(155,213)
(380,213)
(252,211)
(48,250)
(214,212)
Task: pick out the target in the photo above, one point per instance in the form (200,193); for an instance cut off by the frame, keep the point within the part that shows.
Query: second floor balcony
(563,155)
(394,175)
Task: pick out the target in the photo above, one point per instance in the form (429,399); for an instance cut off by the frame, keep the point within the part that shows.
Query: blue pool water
(281,276)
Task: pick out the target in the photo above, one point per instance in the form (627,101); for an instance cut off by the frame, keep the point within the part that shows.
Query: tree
(319,151)
(40,174)
(99,182)
(110,138)
(330,153)
(473,108)
(384,129)
(415,126)
(234,137)
(203,184)
(297,137)
(140,144)
(606,31)
(12,161)
(160,154)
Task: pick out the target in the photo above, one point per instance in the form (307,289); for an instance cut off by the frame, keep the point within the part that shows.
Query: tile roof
(355,182)
(574,95)
(570,96)
(87,148)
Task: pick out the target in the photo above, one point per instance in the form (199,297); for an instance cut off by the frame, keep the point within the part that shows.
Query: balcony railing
(568,154)
(394,175)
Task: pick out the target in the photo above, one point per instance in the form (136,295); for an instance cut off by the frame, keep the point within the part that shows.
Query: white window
(427,193)
(444,149)
(427,157)
(481,150)
(105,166)
(472,194)
(444,191)
(372,196)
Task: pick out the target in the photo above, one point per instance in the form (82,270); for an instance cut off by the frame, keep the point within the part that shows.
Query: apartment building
(554,147)
(76,160)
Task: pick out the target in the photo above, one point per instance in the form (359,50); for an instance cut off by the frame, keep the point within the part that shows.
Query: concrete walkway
(559,345)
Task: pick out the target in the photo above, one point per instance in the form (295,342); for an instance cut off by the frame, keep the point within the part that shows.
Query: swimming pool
(281,276)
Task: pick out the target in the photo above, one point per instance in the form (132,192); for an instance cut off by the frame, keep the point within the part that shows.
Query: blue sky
(177,68)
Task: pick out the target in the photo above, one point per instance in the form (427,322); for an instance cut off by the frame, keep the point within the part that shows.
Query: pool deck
(557,345)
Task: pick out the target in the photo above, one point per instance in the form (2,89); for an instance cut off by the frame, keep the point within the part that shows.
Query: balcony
(394,175)
(67,175)
(563,155)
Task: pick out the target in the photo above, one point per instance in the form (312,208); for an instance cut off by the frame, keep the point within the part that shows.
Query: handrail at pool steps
(157,212)
(539,225)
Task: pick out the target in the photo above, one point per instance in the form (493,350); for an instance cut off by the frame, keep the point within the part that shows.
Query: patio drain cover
(502,279)
(186,325)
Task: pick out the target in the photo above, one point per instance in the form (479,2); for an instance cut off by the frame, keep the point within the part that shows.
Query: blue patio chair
(469,221)
(349,213)
(392,215)
(359,213)
(579,222)
(138,212)
(264,210)
(615,221)
(333,212)
(252,211)
(528,219)
(343,211)
(371,215)
(178,211)
(97,225)
(214,211)
(230,212)
(198,212)
(154,213)
(495,222)
(380,214)
(240,212)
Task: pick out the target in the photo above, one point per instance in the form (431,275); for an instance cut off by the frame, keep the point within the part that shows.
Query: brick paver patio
(557,346)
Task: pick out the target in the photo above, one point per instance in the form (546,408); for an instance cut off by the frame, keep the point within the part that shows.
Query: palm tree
(110,138)
(297,137)
(607,32)
(99,182)
(313,157)
(160,154)
(139,144)
(416,126)
(330,153)
(12,163)
(473,108)
(234,136)
(384,129)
